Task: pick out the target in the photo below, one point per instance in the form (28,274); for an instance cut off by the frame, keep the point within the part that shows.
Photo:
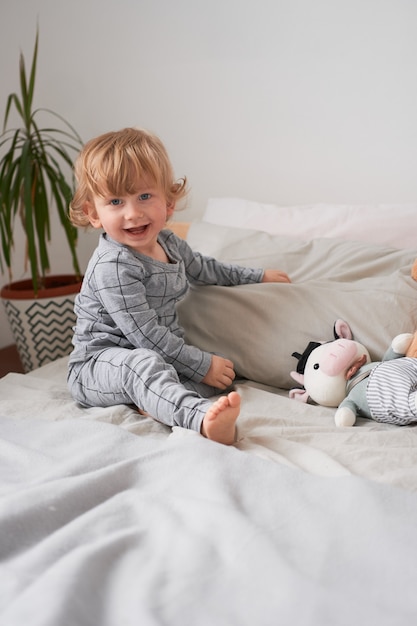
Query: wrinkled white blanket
(108,518)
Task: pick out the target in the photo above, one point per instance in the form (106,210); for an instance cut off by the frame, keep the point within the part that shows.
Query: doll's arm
(346,413)
(412,348)
(400,346)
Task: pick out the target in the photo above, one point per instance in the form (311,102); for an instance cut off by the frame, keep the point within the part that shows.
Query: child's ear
(90,211)
(170,209)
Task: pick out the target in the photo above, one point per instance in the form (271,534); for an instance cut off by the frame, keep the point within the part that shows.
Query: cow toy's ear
(298,394)
(342,330)
(299,378)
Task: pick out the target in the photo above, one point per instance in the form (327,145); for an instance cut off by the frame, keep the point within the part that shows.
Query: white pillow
(259,326)
(386,224)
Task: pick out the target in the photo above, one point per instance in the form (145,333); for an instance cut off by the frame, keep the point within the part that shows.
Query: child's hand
(275,276)
(221,373)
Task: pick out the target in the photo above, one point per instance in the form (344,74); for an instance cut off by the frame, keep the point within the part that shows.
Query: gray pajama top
(129,300)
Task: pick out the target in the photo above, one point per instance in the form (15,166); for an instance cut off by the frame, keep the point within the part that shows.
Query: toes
(233,399)
(221,404)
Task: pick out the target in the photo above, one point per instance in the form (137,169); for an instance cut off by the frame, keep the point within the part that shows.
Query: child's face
(134,220)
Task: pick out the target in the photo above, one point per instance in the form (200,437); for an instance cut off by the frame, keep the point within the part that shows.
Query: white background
(280,101)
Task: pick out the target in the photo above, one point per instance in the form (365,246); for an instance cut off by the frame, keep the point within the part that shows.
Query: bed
(108,518)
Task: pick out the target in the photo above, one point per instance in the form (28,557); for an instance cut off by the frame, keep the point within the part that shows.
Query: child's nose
(134,209)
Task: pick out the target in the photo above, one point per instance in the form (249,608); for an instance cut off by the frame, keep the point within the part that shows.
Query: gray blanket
(101,527)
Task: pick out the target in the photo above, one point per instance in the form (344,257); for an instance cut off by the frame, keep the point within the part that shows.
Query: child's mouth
(139,230)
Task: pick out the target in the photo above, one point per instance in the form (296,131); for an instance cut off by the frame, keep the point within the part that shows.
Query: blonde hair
(115,163)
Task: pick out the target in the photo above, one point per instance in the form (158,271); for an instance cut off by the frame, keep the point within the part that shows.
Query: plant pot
(42,325)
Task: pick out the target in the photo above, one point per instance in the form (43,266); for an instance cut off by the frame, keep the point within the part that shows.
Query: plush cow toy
(340,374)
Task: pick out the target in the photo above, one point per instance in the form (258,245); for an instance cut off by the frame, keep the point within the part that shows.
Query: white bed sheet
(107,517)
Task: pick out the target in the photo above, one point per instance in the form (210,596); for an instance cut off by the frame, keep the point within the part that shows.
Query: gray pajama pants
(140,377)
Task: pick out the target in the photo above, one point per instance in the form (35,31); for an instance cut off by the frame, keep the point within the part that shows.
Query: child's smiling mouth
(137,230)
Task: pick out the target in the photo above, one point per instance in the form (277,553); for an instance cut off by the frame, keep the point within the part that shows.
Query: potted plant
(35,179)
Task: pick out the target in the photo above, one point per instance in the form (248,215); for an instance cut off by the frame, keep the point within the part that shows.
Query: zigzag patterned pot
(41,326)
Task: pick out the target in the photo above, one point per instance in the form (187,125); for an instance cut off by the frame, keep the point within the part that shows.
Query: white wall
(282,101)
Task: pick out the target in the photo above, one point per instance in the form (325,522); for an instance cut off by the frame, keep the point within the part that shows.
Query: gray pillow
(259,326)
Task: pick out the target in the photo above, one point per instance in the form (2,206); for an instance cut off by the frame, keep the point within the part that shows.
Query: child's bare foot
(219,421)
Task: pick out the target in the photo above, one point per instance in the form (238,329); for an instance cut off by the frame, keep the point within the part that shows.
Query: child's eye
(115,202)
(144,196)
